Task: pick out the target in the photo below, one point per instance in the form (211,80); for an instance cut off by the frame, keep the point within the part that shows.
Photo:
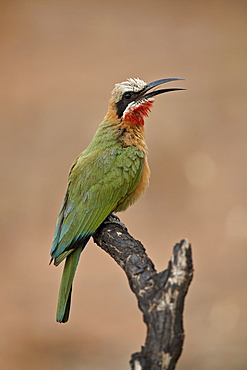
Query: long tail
(64,297)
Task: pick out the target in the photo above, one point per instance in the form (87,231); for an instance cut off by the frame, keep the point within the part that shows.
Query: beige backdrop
(59,62)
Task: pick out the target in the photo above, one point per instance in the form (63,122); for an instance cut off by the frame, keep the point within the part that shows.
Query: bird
(108,176)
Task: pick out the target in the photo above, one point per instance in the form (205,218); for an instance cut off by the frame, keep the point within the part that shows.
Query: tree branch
(160,296)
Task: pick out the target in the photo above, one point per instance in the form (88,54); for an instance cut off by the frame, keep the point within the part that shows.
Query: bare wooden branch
(160,296)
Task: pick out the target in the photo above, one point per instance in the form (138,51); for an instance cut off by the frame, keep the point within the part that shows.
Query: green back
(98,182)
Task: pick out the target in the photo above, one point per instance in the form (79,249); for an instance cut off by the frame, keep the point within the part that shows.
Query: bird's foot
(113,219)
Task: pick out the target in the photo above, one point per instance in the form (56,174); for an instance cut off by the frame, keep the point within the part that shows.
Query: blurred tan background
(59,61)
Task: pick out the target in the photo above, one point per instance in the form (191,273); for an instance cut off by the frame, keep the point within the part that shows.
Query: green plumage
(100,181)
(108,176)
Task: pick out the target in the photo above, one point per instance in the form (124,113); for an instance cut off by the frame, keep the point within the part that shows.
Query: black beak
(153,84)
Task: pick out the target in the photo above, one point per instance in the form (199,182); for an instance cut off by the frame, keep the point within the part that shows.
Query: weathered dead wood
(160,296)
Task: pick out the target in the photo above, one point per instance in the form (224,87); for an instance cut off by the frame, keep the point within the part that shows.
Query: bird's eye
(127,95)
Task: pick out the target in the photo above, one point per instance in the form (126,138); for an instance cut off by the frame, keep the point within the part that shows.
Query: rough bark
(160,296)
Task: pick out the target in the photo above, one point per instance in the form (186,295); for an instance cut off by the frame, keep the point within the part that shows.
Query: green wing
(98,182)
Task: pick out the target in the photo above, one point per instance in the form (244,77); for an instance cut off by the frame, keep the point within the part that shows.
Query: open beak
(153,84)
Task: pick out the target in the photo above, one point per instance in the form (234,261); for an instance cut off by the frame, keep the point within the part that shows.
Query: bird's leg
(114,219)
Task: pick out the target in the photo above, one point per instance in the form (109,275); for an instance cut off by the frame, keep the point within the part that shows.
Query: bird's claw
(113,219)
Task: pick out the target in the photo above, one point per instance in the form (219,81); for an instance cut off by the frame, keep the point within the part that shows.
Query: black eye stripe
(127,98)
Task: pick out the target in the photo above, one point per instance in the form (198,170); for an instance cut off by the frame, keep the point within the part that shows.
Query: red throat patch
(135,115)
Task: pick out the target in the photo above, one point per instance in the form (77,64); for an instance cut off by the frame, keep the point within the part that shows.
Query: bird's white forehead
(132,84)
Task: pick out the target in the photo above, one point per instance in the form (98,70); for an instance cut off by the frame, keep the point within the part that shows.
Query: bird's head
(132,100)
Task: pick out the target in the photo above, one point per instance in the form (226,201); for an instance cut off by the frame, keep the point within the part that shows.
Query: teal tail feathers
(64,298)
